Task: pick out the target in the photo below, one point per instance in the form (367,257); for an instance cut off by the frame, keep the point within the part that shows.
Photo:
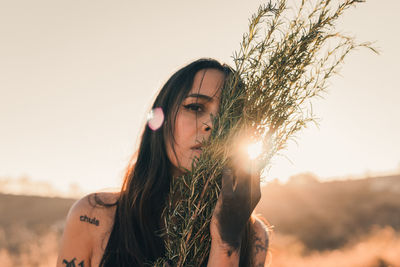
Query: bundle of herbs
(284,60)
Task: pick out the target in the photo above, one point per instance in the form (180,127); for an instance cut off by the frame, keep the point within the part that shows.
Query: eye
(194,107)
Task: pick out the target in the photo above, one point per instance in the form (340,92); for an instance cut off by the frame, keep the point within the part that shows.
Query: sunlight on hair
(254,150)
(155,118)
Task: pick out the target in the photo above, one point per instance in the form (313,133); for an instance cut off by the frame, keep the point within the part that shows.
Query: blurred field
(343,223)
(30,229)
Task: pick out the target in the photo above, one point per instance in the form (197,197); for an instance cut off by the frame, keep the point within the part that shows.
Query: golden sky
(77,77)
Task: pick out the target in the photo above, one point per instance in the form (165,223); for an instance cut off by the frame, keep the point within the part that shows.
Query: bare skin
(85,242)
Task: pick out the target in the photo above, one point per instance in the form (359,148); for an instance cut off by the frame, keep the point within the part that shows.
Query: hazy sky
(77,77)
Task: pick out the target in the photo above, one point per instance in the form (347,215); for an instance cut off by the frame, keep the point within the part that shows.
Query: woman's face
(194,119)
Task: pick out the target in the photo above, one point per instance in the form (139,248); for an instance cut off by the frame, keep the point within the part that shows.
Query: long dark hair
(134,240)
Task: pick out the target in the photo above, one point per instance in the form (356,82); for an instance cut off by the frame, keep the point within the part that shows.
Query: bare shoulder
(94,210)
(88,220)
(260,242)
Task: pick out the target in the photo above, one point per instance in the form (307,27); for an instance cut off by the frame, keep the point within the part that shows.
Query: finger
(243,188)
(239,164)
(227,181)
(255,184)
(255,180)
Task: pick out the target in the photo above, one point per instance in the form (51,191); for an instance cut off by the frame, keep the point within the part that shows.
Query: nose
(206,126)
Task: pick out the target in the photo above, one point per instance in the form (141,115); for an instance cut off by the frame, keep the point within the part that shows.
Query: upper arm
(76,243)
(259,248)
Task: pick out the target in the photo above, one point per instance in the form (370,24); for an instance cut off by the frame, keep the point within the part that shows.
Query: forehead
(208,82)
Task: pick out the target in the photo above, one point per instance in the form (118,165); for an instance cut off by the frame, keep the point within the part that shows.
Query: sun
(254,149)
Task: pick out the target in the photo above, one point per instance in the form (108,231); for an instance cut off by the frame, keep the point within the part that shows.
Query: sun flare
(254,150)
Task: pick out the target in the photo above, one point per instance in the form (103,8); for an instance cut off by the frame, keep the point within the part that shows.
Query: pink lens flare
(155,118)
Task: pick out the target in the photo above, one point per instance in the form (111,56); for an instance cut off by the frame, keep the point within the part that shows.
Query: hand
(239,196)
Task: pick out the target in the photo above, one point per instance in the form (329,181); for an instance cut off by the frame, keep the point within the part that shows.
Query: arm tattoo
(72,263)
(93,220)
(259,245)
(260,248)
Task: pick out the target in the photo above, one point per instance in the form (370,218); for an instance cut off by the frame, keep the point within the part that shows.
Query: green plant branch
(283,62)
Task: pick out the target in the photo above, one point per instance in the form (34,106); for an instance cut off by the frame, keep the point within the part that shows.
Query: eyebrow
(206,97)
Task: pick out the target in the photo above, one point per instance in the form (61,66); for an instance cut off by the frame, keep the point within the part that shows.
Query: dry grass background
(29,249)
(30,229)
(335,224)
(380,248)
(354,223)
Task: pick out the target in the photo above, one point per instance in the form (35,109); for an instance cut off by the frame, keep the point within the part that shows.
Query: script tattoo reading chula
(93,220)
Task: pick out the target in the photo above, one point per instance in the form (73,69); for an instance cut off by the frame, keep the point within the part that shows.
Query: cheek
(185,128)
(184,136)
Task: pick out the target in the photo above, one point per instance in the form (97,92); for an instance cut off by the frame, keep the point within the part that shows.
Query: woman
(121,229)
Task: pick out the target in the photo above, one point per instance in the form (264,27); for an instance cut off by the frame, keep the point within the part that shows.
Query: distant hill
(26,186)
(326,215)
(33,212)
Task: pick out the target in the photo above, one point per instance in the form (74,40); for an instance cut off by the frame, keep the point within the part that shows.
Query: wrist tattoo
(93,220)
(260,246)
(72,263)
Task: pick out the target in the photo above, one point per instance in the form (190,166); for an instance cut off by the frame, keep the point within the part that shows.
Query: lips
(197,147)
